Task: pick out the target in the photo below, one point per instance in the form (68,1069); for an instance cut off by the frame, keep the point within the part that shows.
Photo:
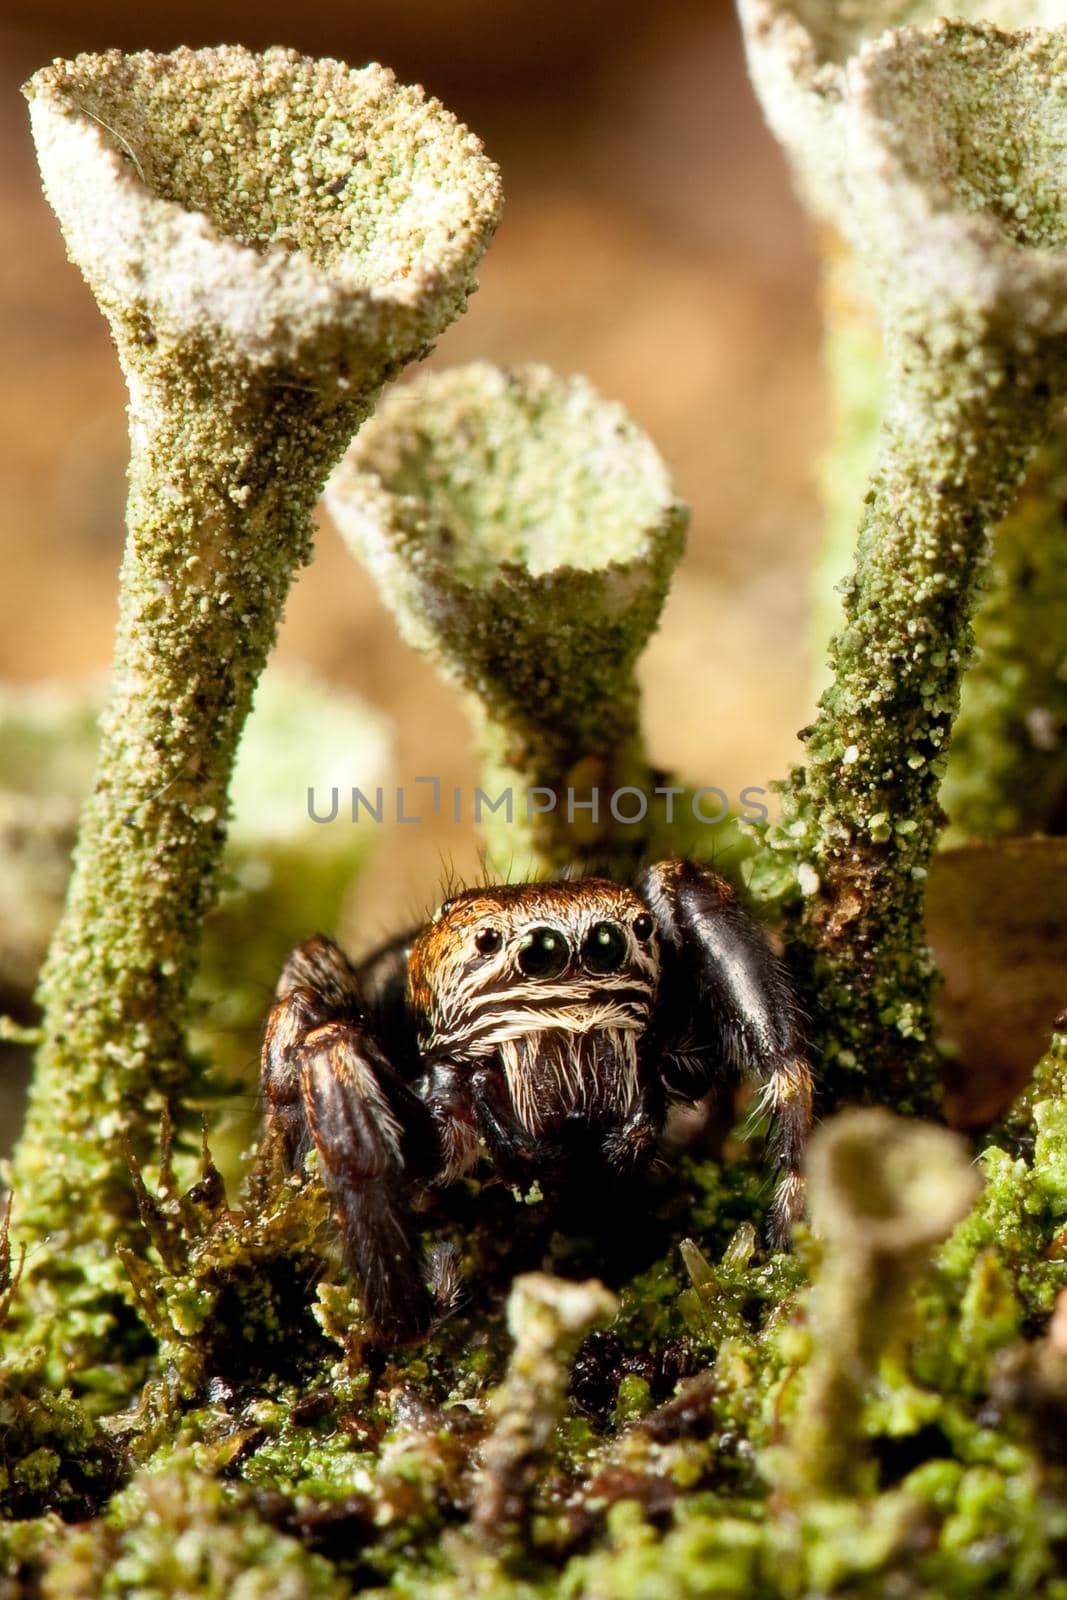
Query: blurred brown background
(650,240)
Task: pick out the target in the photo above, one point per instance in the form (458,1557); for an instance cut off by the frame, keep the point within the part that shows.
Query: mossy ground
(275,1448)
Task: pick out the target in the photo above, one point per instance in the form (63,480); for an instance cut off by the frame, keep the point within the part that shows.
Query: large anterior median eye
(543,953)
(605,947)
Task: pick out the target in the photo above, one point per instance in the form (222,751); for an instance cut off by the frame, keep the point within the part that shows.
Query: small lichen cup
(883,1192)
(548,1318)
(524,531)
(271,238)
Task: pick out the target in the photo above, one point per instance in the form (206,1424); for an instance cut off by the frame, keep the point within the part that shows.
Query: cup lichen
(935,151)
(883,1192)
(524,531)
(271,238)
(547,1319)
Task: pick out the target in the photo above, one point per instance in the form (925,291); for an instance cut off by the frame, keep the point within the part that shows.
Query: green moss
(374,1467)
(55,1457)
(175,1533)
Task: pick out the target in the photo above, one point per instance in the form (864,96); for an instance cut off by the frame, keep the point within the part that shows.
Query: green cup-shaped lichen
(880,1185)
(883,1192)
(547,1319)
(271,238)
(937,153)
(312,217)
(524,530)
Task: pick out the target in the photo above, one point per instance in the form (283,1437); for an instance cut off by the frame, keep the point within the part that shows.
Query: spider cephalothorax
(545,1025)
(557,987)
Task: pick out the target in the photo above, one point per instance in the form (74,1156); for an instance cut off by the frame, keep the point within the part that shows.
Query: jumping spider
(547,1024)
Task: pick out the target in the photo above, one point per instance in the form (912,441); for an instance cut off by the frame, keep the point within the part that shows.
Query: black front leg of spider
(726,1003)
(545,1026)
(327,1082)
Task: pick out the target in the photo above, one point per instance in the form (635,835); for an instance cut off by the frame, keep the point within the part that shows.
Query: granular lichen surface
(257,306)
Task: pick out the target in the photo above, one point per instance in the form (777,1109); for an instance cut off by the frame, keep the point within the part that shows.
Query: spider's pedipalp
(725,985)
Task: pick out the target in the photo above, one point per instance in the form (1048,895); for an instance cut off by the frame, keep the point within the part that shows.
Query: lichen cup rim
(275,300)
(917,208)
(888,1184)
(814,45)
(840,117)
(362,495)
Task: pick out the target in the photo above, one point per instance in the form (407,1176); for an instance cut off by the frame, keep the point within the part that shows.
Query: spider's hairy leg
(316,985)
(375,1140)
(742,1002)
(327,1082)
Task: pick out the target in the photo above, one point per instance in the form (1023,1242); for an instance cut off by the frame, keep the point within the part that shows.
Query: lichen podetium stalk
(865,809)
(937,153)
(1007,769)
(271,238)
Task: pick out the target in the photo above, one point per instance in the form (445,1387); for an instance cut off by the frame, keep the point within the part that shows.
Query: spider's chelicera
(547,1025)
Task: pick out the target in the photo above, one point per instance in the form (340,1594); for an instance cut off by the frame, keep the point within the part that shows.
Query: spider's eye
(605,948)
(643,927)
(543,953)
(488,941)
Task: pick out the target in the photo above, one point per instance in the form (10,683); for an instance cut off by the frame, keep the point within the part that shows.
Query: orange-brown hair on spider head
(529,931)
